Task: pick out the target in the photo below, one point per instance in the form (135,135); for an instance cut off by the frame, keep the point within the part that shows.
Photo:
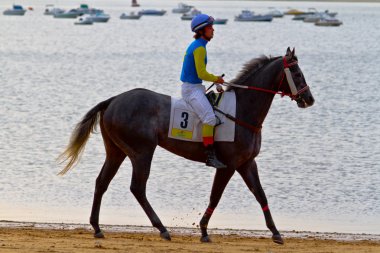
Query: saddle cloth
(186,125)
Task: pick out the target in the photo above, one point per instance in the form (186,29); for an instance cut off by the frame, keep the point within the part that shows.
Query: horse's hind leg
(250,176)
(141,168)
(114,158)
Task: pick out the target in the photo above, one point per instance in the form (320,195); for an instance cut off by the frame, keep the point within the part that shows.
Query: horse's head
(297,87)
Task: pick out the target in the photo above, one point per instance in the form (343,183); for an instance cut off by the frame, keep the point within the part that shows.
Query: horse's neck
(253,106)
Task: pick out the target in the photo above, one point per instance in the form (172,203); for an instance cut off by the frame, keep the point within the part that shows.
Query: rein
(293,95)
(294,92)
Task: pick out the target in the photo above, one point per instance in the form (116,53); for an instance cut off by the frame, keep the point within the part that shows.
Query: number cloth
(186,125)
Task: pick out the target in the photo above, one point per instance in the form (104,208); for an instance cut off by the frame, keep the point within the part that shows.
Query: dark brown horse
(135,122)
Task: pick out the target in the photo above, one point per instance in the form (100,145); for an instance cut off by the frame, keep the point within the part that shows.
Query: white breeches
(194,95)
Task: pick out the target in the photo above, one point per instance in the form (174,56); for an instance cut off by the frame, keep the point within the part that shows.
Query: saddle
(185,124)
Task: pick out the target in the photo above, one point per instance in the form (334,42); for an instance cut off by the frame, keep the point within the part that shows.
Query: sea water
(319,166)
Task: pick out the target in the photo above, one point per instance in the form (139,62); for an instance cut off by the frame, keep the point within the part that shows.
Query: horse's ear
(288,51)
(293,52)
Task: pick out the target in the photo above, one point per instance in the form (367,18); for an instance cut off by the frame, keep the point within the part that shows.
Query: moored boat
(220,21)
(100,17)
(51,10)
(84,20)
(189,16)
(152,12)
(73,13)
(16,10)
(294,12)
(330,21)
(135,4)
(275,13)
(182,8)
(131,15)
(247,15)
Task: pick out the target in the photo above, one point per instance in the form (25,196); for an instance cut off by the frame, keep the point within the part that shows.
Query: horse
(133,123)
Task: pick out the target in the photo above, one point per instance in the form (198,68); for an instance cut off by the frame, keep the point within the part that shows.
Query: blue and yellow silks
(194,63)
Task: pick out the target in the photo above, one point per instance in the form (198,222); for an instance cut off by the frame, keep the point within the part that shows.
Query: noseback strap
(289,78)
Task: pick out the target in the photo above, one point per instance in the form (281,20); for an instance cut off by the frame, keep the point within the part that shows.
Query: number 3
(185,117)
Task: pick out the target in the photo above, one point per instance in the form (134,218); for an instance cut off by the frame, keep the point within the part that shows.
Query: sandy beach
(30,237)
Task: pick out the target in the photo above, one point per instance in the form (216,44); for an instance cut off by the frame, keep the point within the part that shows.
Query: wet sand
(32,238)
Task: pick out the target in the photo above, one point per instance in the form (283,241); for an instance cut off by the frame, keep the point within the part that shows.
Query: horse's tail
(80,136)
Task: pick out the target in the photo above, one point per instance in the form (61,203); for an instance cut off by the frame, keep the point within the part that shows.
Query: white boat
(312,18)
(182,8)
(100,17)
(189,16)
(16,10)
(152,12)
(84,20)
(85,9)
(220,21)
(330,21)
(131,15)
(73,13)
(50,10)
(247,15)
(275,13)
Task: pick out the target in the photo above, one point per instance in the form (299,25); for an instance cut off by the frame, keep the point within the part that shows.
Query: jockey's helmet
(200,21)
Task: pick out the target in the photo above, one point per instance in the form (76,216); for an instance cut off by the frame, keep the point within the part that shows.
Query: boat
(50,10)
(16,10)
(84,20)
(328,21)
(275,13)
(182,8)
(189,16)
(313,15)
(135,4)
(152,12)
(312,18)
(131,15)
(85,9)
(100,17)
(220,21)
(73,13)
(247,15)
(294,12)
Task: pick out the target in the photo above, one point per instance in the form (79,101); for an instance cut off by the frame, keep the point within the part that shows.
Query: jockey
(193,91)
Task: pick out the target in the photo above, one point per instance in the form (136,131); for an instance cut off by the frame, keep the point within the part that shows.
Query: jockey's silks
(194,63)
(207,134)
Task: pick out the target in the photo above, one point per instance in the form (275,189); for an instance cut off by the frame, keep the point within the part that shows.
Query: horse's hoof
(205,239)
(165,235)
(277,239)
(99,235)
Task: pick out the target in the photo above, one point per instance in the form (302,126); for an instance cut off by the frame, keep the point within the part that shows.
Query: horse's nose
(310,100)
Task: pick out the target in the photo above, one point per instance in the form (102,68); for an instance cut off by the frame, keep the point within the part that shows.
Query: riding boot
(212,160)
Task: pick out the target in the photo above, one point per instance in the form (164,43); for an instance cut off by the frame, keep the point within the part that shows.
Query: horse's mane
(251,68)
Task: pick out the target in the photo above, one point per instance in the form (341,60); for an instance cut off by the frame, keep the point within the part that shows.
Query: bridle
(294,93)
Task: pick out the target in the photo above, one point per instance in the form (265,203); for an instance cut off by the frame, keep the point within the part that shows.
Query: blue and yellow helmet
(200,21)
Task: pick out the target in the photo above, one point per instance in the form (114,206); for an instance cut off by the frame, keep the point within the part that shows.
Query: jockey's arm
(199,59)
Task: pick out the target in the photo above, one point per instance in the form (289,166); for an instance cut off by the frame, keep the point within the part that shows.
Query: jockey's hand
(220,80)
(219,88)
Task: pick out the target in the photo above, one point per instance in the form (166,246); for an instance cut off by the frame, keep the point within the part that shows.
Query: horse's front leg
(250,176)
(222,177)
